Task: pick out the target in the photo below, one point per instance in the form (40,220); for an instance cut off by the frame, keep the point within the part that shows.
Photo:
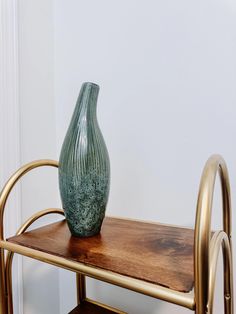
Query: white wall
(38,134)
(167,71)
(9,129)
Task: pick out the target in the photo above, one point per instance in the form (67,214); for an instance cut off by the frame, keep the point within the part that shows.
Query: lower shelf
(92,307)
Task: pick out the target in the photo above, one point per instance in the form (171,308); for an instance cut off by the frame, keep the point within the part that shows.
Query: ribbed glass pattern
(84,167)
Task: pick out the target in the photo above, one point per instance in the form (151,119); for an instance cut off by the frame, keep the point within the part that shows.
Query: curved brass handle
(13,180)
(202,238)
(220,239)
(3,199)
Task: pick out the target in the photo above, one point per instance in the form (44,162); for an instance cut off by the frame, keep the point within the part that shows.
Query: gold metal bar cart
(154,273)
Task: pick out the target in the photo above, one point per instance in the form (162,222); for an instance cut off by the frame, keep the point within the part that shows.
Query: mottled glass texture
(84,167)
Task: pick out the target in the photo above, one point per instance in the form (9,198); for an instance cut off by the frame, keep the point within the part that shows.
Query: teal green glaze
(84,167)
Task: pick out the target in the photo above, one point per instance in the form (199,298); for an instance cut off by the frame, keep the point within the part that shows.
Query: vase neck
(86,106)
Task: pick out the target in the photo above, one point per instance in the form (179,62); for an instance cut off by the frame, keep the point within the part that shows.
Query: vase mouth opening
(91,84)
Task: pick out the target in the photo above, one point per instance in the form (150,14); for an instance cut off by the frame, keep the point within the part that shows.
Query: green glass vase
(84,167)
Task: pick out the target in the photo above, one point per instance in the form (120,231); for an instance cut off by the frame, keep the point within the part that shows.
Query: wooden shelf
(90,307)
(151,252)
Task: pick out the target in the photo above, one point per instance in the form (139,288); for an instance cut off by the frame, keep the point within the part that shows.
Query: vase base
(81,232)
(87,235)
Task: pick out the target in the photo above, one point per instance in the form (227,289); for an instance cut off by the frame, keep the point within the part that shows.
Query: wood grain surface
(89,308)
(157,253)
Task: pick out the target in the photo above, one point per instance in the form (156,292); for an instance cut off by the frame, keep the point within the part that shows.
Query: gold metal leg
(81,287)
(3,303)
(9,282)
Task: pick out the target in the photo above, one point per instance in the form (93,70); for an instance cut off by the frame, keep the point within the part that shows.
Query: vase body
(84,168)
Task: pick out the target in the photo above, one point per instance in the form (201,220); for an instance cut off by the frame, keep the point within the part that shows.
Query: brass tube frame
(81,287)
(204,259)
(220,239)
(105,306)
(3,199)
(206,250)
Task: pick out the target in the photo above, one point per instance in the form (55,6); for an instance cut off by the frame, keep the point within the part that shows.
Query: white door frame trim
(10,157)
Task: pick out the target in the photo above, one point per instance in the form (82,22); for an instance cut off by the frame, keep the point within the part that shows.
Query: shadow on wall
(43,278)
